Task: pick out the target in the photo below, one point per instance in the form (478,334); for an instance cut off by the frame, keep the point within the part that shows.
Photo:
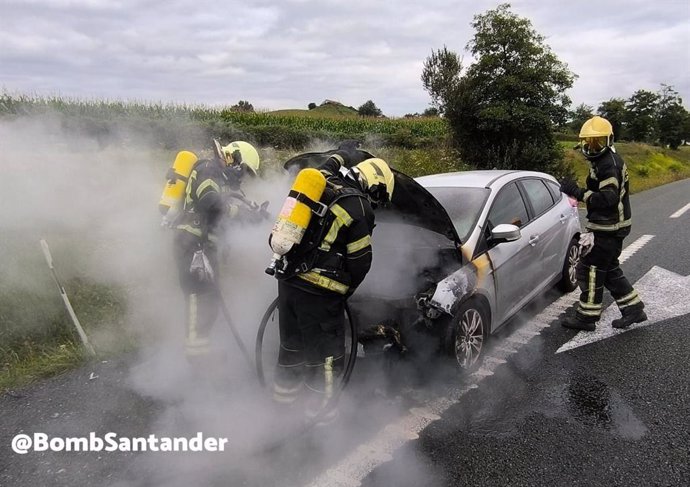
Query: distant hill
(328,108)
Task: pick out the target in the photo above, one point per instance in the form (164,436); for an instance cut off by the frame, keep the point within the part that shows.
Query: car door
(511,261)
(544,231)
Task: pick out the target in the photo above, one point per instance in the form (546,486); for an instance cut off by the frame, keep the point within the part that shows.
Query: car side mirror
(505,233)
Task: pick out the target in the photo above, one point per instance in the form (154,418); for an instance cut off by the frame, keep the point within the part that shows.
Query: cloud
(288,54)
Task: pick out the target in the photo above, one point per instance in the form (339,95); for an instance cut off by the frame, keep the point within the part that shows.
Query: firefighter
(212,195)
(608,218)
(323,270)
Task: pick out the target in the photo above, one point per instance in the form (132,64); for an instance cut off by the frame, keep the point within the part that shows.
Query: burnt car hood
(412,203)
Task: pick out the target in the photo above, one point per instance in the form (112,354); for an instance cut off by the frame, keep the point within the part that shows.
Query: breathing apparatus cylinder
(295,214)
(172,198)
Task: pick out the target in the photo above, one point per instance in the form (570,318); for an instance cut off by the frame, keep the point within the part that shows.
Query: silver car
(461,253)
(456,255)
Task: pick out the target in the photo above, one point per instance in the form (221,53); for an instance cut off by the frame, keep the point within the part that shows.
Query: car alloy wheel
(573,260)
(568,280)
(469,337)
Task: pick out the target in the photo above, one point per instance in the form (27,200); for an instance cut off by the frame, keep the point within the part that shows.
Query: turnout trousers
(201,298)
(600,269)
(312,346)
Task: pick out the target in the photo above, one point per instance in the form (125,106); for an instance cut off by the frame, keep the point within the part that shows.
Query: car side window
(508,207)
(555,191)
(538,195)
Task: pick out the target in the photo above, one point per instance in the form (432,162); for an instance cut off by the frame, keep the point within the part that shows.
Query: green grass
(648,166)
(31,361)
(38,338)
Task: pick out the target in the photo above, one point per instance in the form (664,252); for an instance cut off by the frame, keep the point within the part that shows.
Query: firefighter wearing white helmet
(319,274)
(211,198)
(609,218)
(242,154)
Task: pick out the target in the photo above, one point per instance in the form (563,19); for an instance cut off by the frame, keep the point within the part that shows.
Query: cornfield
(428,128)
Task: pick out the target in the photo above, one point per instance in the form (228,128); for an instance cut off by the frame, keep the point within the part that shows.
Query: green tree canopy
(441,77)
(671,117)
(641,110)
(578,116)
(503,109)
(614,111)
(369,109)
(242,106)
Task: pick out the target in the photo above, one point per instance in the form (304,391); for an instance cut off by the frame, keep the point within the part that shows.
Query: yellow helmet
(596,135)
(239,152)
(377,179)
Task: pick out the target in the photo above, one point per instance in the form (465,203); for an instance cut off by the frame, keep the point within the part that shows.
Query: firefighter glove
(570,187)
(201,268)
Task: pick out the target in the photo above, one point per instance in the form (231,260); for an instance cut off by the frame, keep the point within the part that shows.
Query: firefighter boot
(632,314)
(578,323)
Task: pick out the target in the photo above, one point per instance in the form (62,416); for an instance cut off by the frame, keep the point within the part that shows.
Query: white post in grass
(65,299)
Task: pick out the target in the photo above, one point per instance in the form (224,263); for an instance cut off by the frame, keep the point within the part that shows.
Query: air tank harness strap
(318,208)
(172,176)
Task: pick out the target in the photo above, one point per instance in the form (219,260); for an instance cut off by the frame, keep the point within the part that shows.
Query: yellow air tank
(295,215)
(174,191)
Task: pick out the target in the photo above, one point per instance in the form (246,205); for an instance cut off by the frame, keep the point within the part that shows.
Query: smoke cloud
(95,201)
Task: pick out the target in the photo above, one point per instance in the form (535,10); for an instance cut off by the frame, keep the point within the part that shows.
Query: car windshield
(463,206)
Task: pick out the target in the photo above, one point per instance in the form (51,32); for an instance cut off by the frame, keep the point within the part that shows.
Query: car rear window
(463,206)
(539,196)
(555,191)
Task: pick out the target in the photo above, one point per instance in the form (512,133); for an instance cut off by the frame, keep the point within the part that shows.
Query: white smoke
(96,204)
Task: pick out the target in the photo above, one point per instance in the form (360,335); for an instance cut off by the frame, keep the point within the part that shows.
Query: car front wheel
(467,334)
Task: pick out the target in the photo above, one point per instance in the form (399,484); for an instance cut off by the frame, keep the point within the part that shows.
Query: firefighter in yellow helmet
(321,272)
(609,218)
(212,196)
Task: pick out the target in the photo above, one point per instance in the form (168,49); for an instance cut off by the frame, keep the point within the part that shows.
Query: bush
(643,171)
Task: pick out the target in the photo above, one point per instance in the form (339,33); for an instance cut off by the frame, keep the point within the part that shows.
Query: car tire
(467,334)
(568,280)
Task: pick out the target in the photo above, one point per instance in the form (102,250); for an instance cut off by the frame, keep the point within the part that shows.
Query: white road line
(359,463)
(681,211)
(634,247)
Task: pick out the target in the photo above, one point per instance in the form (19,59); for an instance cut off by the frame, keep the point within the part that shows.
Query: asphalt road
(613,412)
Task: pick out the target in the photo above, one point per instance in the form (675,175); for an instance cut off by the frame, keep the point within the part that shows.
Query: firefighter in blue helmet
(609,219)
(332,259)
(212,196)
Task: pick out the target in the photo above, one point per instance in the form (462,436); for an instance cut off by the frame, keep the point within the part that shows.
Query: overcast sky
(286,54)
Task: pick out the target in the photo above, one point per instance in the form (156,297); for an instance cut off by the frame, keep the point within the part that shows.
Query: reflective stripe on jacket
(607,196)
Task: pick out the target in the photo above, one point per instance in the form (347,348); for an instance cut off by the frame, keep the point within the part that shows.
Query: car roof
(476,179)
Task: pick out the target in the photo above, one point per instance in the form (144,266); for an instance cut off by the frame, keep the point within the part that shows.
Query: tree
(431,112)
(580,115)
(671,117)
(242,106)
(441,77)
(369,109)
(641,110)
(503,110)
(615,112)
(311,106)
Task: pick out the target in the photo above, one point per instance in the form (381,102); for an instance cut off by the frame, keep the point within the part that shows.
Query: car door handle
(533,240)
(563,218)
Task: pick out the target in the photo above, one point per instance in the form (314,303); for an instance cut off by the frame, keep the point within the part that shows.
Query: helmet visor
(593,146)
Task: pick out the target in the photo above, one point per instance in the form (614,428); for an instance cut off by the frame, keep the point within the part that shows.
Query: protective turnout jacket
(207,199)
(335,253)
(607,196)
